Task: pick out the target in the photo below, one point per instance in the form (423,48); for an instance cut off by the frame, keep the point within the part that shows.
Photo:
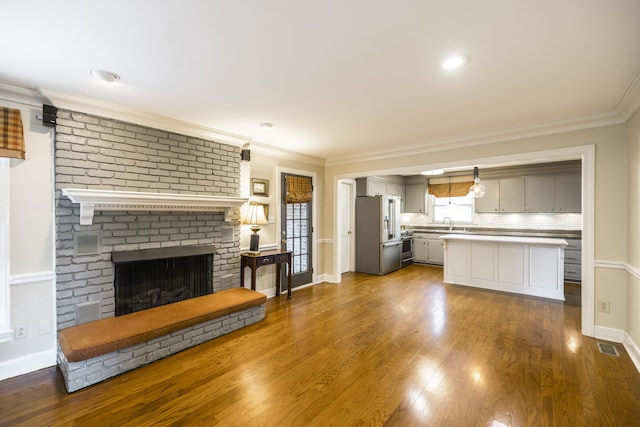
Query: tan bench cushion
(114,333)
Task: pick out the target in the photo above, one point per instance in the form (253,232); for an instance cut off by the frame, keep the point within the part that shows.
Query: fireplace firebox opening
(149,278)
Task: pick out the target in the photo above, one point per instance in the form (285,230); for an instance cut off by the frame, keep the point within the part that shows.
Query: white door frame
(314,216)
(340,221)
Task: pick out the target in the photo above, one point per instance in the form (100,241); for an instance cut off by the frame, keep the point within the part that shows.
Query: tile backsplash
(533,221)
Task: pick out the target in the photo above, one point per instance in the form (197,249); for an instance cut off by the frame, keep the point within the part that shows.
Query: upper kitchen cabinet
(371,186)
(380,186)
(415,191)
(395,189)
(416,200)
(502,195)
(554,194)
(568,193)
(541,193)
(490,202)
(512,194)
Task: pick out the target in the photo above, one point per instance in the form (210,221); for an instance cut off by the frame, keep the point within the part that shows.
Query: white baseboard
(609,334)
(633,350)
(326,278)
(270,293)
(29,363)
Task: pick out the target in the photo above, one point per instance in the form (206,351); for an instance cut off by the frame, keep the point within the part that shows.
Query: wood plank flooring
(399,350)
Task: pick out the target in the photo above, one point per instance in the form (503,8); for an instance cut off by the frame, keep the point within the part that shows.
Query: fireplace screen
(140,285)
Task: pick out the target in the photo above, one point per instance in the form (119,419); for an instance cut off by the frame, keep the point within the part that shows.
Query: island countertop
(474,230)
(547,241)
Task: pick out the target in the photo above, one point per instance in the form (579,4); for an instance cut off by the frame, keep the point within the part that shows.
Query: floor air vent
(609,349)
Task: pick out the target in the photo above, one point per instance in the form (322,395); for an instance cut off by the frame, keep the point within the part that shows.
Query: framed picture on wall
(259,187)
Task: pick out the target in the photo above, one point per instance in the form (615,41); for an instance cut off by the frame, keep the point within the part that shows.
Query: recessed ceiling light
(104,76)
(266,125)
(453,62)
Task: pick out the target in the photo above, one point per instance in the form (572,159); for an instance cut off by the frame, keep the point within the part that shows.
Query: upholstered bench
(98,350)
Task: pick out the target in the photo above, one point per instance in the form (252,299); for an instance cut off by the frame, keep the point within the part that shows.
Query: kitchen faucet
(450,222)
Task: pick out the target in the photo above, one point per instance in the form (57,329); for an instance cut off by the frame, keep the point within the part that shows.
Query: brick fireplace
(98,153)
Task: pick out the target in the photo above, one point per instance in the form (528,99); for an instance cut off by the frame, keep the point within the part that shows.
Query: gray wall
(99,153)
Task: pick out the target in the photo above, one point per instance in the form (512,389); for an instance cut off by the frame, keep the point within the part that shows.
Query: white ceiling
(337,78)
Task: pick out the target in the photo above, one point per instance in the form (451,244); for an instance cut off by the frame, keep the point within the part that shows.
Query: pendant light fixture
(477,190)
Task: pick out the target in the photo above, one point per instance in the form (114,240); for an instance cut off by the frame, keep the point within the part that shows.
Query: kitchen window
(459,209)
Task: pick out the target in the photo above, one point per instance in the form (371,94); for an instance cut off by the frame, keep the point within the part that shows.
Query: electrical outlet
(21,331)
(604,306)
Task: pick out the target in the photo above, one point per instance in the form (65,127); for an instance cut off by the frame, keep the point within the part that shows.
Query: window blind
(299,189)
(11,133)
(453,189)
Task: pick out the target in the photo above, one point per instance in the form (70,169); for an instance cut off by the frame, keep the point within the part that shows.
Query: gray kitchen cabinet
(502,195)
(436,249)
(573,261)
(371,186)
(512,194)
(420,248)
(555,194)
(395,189)
(428,248)
(540,193)
(490,202)
(568,197)
(415,198)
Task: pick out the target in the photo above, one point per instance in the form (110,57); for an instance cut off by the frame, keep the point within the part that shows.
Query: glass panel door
(296,235)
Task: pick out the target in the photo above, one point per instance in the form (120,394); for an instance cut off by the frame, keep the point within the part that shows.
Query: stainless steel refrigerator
(378,241)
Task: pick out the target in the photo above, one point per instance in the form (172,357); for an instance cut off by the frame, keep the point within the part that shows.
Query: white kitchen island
(524,265)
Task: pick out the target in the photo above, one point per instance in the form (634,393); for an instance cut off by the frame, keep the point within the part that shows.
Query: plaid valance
(454,189)
(11,134)
(299,189)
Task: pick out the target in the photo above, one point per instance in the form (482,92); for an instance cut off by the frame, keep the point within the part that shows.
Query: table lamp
(256,217)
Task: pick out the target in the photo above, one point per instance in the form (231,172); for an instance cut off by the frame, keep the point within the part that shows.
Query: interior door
(296,235)
(345,195)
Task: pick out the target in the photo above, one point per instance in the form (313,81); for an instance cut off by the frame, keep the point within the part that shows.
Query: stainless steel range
(407,247)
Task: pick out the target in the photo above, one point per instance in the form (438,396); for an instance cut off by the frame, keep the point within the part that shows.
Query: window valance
(299,189)
(11,133)
(453,189)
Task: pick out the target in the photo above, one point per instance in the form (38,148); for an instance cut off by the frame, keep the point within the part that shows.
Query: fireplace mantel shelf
(113,200)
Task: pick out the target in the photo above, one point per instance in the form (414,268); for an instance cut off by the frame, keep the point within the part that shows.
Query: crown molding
(21,95)
(282,153)
(575,124)
(629,102)
(119,112)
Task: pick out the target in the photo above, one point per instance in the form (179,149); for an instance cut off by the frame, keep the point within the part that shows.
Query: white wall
(32,286)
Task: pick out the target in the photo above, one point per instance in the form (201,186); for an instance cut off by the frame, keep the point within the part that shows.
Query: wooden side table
(278,257)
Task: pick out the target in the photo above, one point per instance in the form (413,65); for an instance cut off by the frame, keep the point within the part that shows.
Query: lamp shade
(255,215)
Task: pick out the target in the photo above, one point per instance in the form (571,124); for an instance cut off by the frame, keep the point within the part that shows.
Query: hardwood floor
(403,349)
